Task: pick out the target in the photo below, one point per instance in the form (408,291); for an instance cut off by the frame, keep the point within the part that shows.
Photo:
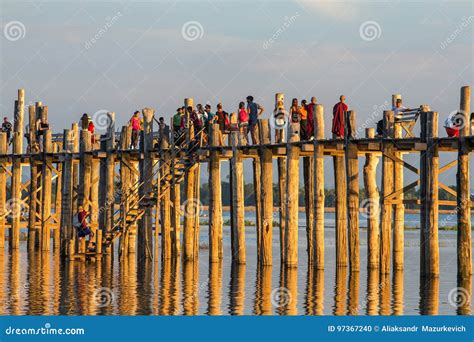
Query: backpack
(177,120)
(243,115)
(226,123)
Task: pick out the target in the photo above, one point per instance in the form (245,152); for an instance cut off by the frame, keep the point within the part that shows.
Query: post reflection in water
(14,282)
(127,302)
(314,298)
(373,288)
(3,290)
(175,287)
(107,276)
(144,286)
(33,283)
(191,289)
(463,296)
(164,289)
(353,298)
(215,289)
(288,298)
(263,302)
(429,295)
(39,283)
(237,289)
(397,292)
(384,292)
(340,290)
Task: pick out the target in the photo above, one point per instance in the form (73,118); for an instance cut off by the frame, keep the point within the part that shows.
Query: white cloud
(341,10)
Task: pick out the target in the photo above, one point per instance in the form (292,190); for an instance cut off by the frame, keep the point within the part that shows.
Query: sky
(88,56)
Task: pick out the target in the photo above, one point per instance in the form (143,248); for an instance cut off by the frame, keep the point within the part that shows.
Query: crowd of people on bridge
(244,119)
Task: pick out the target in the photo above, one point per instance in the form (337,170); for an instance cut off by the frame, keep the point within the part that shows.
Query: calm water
(38,284)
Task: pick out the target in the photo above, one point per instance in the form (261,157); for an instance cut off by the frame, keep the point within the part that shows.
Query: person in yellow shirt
(303,120)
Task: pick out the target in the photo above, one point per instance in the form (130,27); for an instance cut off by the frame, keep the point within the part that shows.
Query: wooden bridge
(134,195)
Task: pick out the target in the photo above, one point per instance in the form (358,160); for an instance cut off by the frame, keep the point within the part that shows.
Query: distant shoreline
(251,208)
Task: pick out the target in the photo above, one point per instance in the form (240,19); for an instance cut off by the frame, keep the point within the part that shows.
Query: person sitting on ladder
(83,229)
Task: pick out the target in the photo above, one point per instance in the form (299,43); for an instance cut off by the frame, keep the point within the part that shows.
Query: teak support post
(145,233)
(292,203)
(387,188)
(429,195)
(266,166)
(66,226)
(237,202)
(372,205)
(46,192)
(215,198)
(464,242)
(318,182)
(352,176)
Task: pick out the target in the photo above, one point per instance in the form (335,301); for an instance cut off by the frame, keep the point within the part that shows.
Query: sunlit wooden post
(237,202)
(215,198)
(352,177)
(429,193)
(372,205)
(17,201)
(46,192)
(281,161)
(106,185)
(292,190)
(464,242)
(145,233)
(165,203)
(341,208)
(318,159)
(3,188)
(266,164)
(387,188)
(399,209)
(66,226)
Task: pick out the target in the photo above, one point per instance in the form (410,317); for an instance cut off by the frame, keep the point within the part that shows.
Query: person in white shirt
(398,110)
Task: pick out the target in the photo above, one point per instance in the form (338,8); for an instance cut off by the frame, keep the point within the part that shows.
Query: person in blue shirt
(254,110)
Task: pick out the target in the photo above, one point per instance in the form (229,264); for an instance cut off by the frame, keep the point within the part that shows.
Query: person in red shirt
(91,128)
(244,122)
(339,113)
(83,228)
(136,127)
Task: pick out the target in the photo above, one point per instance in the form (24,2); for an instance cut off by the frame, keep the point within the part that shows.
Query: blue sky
(142,58)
